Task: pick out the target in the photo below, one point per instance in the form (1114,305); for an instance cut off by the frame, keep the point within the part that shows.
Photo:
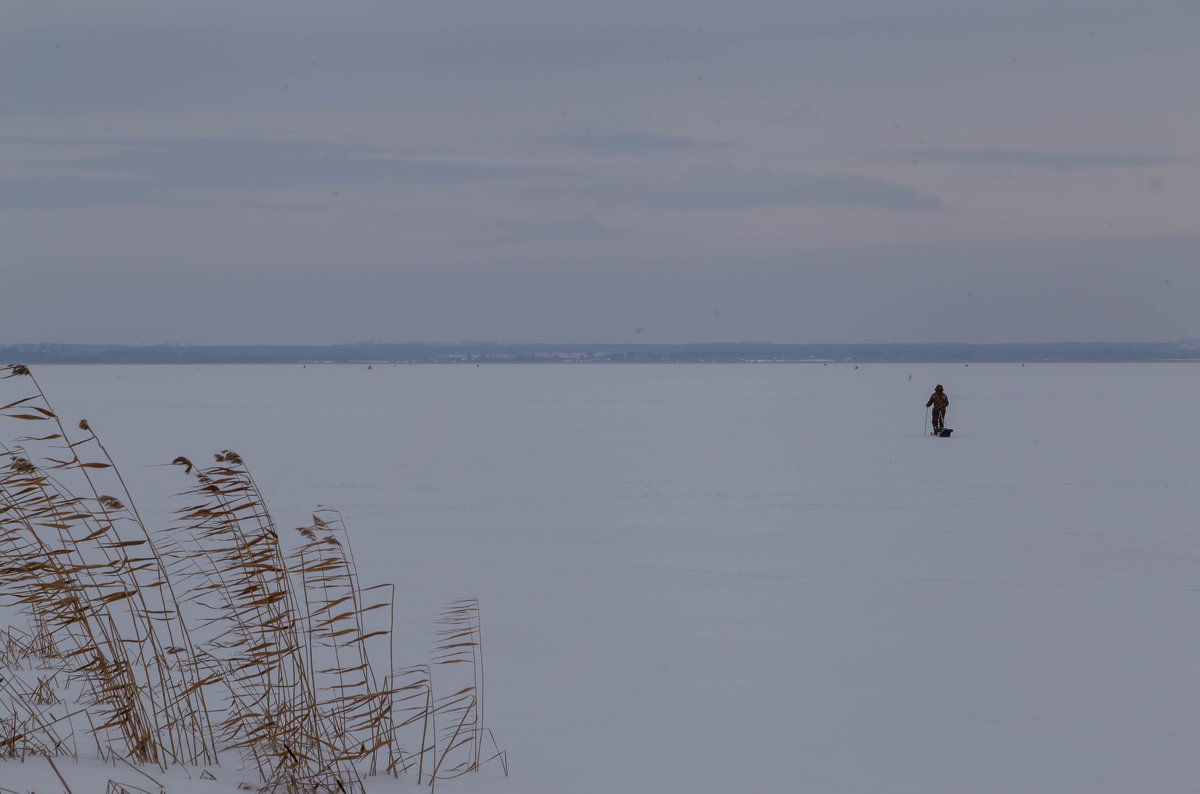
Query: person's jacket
(938,400)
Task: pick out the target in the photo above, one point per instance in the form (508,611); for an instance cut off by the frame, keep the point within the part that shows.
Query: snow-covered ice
(745,578)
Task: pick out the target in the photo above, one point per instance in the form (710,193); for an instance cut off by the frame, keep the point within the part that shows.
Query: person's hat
(938,387)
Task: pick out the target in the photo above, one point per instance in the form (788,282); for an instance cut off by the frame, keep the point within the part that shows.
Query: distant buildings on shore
(497,353)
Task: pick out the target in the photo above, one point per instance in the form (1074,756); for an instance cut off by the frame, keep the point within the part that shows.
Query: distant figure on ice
(939,401)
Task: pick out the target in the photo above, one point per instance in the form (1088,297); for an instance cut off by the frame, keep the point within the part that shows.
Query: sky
(657,171)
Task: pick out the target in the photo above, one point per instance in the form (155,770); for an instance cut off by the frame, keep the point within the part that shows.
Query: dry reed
(209,636)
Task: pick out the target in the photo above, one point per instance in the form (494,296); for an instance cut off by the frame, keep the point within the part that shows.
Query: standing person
(939,401)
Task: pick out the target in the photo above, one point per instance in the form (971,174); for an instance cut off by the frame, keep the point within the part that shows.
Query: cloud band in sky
(722,186)
(1027,158)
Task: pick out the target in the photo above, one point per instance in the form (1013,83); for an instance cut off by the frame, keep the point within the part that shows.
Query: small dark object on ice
(944,432)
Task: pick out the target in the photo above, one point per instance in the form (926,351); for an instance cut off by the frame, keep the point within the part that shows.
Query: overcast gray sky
(300,171)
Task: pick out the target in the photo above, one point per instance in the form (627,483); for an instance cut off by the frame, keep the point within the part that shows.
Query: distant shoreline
(549,353)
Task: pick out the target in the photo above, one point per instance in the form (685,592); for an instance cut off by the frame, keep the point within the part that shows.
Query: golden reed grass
(211,635)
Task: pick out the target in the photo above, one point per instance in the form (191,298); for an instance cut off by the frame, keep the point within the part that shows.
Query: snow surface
(743,578)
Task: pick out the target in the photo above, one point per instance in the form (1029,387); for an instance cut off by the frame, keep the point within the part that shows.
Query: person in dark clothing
(939,401)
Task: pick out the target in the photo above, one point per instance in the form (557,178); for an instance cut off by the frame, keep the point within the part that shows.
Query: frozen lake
(751,578)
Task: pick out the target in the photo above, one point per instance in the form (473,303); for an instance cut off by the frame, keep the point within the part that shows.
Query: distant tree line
(548,353)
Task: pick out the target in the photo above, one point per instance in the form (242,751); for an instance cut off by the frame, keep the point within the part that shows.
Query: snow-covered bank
(716,578)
